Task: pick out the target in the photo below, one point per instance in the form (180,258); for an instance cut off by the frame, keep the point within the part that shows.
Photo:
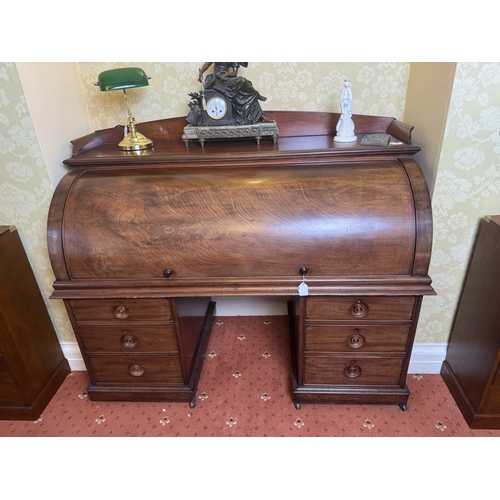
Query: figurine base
(353,138)
(256,131)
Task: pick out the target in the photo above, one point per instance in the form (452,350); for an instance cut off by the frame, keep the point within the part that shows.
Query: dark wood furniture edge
(352,395)
(292,332)
(474,419)
(423,217)
(54,225)
(494,218)
(461,399)
(43,398)
(80,289)
(200,355)
(96,139)
(400,130)
(409,346)
(144,393)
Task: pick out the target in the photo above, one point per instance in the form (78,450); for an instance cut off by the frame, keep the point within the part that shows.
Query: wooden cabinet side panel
(475,337)
(55,226)
(29,341)
(193,319)
(423,218)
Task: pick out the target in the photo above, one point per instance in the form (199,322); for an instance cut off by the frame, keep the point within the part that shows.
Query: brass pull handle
(359,310)
(121,312)
(356,341)
(352,371)
(136,370)
(128,341)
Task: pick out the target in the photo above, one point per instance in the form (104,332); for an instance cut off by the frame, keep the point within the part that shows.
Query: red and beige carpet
(245,390)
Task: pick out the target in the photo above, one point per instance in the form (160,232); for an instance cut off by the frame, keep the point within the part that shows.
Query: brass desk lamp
(127,78)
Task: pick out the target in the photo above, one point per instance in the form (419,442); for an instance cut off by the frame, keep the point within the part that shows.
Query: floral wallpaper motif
(467,188)
(25,188)
(378,89)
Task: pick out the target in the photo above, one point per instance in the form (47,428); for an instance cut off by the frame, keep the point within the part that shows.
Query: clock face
(216,108)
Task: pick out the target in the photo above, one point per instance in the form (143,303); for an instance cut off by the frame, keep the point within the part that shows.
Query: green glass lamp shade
(122,78)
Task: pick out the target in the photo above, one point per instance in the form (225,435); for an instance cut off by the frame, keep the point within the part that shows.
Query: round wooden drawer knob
(359,310)
(355,341)
(352,371)
(121,312)
(136,370)
(128,341)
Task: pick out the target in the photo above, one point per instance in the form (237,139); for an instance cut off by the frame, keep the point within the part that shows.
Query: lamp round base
(135,142)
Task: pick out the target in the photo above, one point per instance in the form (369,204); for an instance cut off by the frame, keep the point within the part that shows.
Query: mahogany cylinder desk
(140,243)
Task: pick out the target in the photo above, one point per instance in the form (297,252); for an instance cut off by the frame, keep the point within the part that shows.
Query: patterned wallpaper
(378,89)
(467,188)
(467,184)
(25,188)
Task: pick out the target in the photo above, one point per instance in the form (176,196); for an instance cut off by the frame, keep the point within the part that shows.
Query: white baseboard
(251,306)
(427,358)
(72,353)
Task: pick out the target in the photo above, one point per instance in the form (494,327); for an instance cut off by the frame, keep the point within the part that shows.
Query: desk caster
(297,406)
(403,407)
(192,404)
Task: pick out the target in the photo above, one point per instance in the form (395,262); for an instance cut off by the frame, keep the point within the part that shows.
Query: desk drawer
(367,338)
(349,371)
(157,370)
(121,309)
(360,308)
(129,338)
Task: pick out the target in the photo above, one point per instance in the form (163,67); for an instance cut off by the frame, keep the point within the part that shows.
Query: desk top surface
(300,133)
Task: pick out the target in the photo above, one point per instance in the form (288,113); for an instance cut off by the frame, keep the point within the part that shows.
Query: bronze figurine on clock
(227,106)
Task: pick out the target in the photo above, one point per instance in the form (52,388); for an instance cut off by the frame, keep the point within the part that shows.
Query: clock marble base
(257,131)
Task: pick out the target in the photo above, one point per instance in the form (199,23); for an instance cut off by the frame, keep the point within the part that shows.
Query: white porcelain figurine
(345,125)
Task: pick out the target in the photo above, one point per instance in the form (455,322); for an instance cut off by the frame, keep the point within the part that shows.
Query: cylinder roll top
(351,219)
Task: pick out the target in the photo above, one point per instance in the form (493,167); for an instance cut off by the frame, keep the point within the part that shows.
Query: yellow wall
(427,102)
(55,99)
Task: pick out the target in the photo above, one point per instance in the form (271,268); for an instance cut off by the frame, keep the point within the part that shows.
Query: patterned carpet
(245,390)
